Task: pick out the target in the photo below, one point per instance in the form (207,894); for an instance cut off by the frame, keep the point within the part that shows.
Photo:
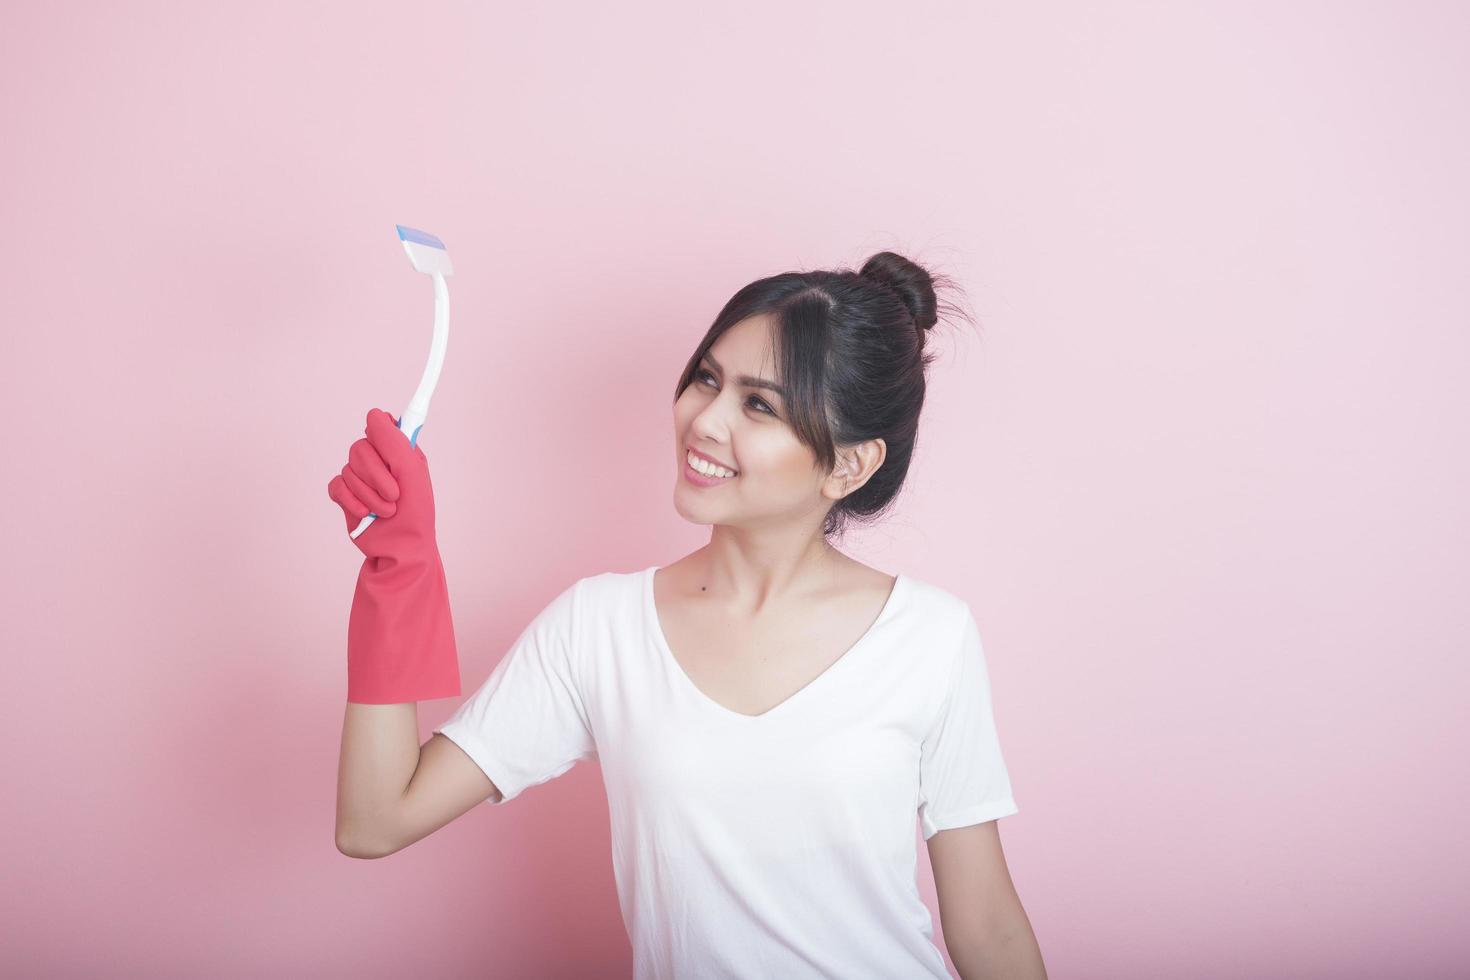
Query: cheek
(686,408)
(776,458)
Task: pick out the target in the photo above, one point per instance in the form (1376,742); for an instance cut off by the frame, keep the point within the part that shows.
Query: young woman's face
(743,427)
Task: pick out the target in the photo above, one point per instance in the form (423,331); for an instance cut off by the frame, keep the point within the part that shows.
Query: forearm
(1007,950)
(380,752)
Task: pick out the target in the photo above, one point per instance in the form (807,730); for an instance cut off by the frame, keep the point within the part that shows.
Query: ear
(855,466)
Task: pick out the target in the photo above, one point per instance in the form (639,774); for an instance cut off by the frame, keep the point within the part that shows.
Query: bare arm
(391,791)
(985,928)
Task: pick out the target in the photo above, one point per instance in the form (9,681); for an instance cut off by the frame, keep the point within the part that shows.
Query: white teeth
(707,468)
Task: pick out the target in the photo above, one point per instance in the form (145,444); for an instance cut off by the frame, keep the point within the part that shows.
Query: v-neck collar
(900,582)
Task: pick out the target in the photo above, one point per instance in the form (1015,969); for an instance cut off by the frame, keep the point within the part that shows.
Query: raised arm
(391,791)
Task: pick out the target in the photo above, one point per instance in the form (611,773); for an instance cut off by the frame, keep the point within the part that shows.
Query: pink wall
(1203,471)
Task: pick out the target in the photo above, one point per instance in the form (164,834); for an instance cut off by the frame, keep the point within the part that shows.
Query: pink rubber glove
(400,635)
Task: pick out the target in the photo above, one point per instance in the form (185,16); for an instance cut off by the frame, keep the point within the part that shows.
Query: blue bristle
(421,237)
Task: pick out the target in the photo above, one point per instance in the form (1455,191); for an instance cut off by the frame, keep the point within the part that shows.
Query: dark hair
(849,348)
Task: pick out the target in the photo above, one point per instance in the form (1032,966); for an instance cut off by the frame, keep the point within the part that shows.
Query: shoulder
(934,606)
(608,585)
(924,603)
(585,614)
(589,593)
(594,598)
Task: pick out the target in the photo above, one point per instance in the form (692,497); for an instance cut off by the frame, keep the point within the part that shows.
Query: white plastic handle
(418,406)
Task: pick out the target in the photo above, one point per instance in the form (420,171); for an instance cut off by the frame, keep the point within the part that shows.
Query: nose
(710,424)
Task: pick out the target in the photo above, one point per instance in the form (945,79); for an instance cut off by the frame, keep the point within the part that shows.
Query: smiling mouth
(690,456)
(699,479)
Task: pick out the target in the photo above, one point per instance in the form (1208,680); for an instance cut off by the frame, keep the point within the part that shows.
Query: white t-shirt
(773,845)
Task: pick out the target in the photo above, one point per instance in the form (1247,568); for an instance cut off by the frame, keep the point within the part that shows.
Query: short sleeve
(962,775)
(528,722)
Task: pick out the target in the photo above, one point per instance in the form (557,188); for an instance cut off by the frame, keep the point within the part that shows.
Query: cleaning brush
(428,255)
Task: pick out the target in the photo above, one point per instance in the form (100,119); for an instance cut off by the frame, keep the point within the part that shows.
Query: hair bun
(909,280)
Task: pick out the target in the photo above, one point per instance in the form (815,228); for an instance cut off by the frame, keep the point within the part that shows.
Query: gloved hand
(400,634)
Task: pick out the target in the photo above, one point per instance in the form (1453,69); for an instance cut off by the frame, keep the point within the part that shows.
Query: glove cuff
(400,633)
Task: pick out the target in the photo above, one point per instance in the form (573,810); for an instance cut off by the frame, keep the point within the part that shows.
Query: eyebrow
(747,380)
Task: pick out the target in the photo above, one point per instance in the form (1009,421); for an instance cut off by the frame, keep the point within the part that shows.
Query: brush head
(426,252)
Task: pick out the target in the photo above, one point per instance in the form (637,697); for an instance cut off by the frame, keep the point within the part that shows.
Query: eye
(701,374)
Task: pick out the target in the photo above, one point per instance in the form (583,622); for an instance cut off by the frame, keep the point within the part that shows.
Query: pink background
(1202,470)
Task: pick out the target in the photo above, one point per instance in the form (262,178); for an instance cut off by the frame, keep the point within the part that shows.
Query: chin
(691,510)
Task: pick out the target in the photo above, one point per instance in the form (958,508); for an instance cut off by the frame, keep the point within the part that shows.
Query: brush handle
(418,406)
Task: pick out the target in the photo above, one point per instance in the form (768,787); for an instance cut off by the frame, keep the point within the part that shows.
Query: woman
(769,714)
